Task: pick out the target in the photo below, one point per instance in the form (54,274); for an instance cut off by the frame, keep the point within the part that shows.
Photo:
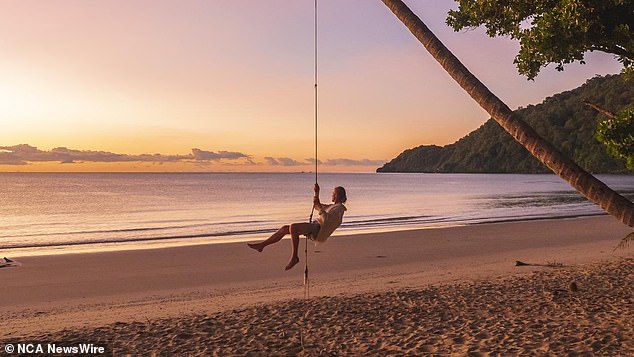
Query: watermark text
(55,348)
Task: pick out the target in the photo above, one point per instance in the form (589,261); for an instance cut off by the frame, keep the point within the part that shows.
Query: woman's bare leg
(296,230)
(276,237)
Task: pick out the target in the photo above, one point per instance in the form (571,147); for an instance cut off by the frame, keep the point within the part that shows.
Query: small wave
(130,230)
(536,217)
(395,221)
(132,240)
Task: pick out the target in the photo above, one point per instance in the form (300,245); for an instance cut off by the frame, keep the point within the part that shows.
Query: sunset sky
(223,85)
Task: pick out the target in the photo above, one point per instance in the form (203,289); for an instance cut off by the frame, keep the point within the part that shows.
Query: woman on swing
(329,219)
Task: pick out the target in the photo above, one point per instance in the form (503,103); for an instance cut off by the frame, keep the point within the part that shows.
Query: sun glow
(160,77)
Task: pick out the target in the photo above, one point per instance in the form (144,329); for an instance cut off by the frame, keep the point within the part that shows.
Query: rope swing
(310,219)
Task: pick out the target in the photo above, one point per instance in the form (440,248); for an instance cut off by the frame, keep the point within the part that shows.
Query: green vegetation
(562,119)
(554,31)
(617,134)
(561,32)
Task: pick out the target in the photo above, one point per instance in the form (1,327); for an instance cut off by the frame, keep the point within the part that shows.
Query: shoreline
(184,241)
(74,291)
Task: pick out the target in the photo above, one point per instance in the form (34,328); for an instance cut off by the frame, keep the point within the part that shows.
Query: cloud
(23,154)
(20,154)
(210,155)
(283,161)
(9,159)
(69,156)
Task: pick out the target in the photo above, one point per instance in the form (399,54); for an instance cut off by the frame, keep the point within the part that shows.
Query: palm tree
(595,190)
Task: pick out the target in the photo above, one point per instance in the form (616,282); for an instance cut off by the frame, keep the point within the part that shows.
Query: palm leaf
(625,242)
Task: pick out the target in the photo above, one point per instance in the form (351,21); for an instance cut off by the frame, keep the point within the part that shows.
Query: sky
(219,85)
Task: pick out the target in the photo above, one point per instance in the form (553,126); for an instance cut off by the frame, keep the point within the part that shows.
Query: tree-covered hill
(563,119)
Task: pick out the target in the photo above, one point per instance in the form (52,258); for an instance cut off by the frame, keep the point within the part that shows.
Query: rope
(310,219)
(316,98)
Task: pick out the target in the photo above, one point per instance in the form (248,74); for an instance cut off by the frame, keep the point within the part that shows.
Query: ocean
(50,213)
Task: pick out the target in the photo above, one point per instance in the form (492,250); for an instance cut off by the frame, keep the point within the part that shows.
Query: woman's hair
(341,194)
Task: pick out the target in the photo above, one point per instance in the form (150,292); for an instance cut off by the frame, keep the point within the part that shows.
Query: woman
(329,219)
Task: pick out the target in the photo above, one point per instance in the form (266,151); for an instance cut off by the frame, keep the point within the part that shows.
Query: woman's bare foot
(292,263)
(256,246)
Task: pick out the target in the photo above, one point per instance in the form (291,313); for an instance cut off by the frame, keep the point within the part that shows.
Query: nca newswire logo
(54,348)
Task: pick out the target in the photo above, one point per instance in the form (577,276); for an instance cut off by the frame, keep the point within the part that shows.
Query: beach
(447,290)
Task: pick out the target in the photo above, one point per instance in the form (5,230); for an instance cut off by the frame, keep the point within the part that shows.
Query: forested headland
(563,119)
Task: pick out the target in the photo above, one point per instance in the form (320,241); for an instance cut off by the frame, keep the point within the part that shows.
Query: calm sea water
(49,213)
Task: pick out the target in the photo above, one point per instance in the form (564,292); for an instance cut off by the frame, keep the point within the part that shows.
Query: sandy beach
(437,291)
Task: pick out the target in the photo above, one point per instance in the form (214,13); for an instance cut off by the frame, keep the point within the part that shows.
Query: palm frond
(625,242)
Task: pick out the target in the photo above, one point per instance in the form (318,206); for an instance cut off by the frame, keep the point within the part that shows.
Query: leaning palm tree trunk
(595,190)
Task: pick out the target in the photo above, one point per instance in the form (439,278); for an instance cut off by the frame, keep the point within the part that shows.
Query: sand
(438,291)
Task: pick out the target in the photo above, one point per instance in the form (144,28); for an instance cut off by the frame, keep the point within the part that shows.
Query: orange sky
(147,77)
